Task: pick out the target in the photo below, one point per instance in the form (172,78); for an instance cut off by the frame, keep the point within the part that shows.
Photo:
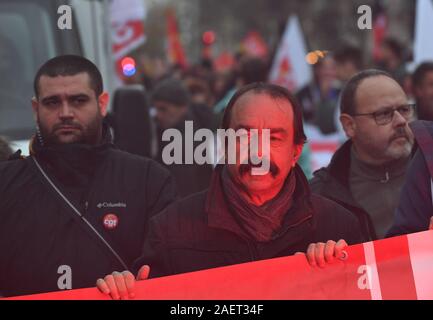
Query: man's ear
(35,108)
(103,100)
(348,125)
(297,153)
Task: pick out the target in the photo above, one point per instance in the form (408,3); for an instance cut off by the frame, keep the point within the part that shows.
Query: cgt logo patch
(111,221)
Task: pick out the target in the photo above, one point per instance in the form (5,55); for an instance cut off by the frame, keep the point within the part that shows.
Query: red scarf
(260,223)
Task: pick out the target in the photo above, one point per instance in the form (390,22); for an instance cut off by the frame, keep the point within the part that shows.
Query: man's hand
(320,254)
(120,286)
(431,224)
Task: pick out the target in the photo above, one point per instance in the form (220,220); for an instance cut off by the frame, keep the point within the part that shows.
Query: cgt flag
(391,269)
(127,27)
(289,68)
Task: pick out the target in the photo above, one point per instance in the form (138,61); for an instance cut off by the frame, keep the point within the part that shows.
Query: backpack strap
(77,215)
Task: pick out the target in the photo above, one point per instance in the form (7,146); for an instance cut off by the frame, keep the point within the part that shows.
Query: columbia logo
(111,205)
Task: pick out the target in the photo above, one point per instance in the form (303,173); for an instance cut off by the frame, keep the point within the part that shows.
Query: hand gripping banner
(396,268)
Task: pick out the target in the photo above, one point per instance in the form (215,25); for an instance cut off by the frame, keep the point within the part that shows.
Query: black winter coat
(332,182)
(199,232)
(415,209)
(39,233)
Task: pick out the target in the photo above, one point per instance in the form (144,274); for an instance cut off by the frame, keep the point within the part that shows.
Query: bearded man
(76,208)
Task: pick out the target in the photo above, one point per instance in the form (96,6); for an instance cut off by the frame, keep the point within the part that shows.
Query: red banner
(397,268)
(175,51)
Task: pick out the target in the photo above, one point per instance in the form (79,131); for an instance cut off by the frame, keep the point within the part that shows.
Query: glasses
(386,115)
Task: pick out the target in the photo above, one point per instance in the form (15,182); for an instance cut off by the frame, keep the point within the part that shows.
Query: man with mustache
(77,208)
(367,173)
(246,215)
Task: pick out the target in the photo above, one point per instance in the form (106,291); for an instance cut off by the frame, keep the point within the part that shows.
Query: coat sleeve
(415,208)
(334,222)
(355,234)
(155,252)
(350,226)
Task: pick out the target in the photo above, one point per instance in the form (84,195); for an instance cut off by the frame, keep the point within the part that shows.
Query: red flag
(380,27)
(175,51)
(127,29)
(224,62)
(254,45)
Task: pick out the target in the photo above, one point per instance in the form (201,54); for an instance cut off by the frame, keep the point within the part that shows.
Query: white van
(29,36)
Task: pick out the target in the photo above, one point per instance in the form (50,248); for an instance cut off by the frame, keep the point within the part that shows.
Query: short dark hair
(420,73)
(252,70)
(275,92)
(395,46)
(349,54)
(70,65)
(172,91)
(348,95)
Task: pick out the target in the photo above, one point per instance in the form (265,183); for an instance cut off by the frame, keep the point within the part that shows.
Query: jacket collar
(339,167)
(73,164)
(337,182)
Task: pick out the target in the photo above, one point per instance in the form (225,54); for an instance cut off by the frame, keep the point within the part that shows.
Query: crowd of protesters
(173,218)
(208,88)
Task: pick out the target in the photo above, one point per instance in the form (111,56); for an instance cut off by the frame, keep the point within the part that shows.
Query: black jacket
(199,232)
(415,209)
(39,233)
(332,182)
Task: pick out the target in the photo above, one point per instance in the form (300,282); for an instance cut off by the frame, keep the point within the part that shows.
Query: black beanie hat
(171,91)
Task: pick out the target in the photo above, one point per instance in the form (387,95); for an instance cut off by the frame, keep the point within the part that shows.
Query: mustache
(400,133)
(246,168)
